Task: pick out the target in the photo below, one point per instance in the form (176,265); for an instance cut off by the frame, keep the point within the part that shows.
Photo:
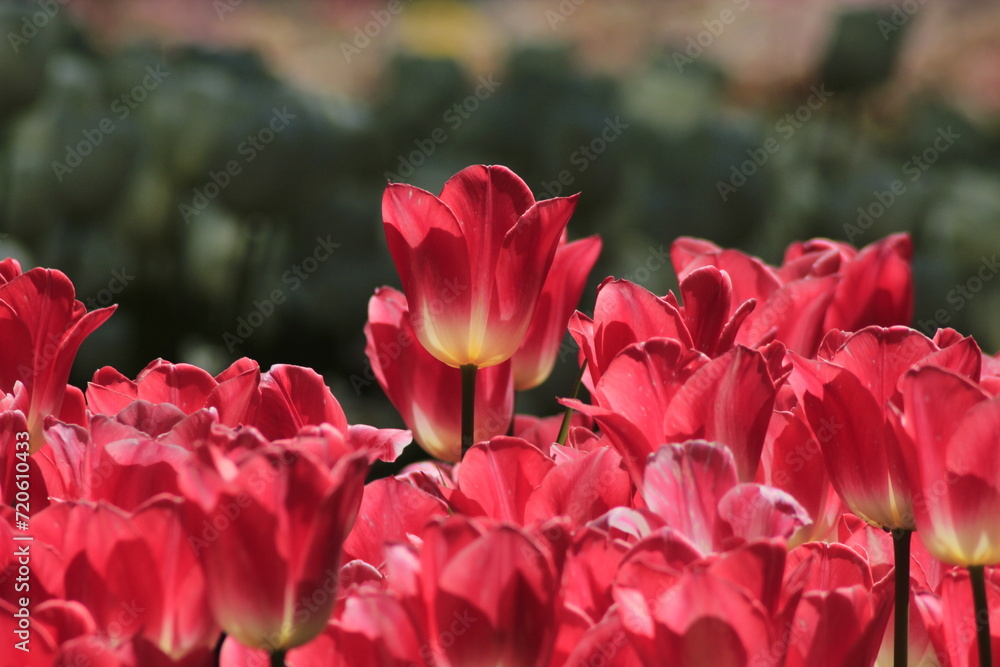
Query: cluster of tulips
(740,489)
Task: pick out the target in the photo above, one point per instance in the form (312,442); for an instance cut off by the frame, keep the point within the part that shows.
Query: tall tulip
(955,427)
(473,261)
(425,391)
(854,395)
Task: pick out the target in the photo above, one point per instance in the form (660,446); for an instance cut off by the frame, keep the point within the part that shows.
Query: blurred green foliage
(186,217)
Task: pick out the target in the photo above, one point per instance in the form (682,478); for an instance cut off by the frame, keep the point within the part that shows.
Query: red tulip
(655,392)
(425,391)
(581,489)
(269,533)
(392,510)
(491,592)
(42,326)
(842,615)
(473,260)
(497,478)
(534,360)
(955,638)
(694,489)
(591,566)
(855,400)
(726,611)
(113,461)
(133,572)
(370,629)
(626,313)
(234,393)
(955,427)
(293,398)
(13,426)
(822,285)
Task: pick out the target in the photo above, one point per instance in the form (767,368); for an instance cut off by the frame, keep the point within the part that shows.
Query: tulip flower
(853,396)
(370,628)
(655,392)
(491,592)
(822,285)
(391,511)
(269,533)
(233,393)
(694,489)
(42,326)
(534,360)
(792,461)
(854,401)
(134,573)
(473,260)
(425,391)
(841,617)
(955,427)
(678,609)
(961,621)
(626,313)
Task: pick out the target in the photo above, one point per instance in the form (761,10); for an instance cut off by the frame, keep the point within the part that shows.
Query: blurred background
(216,166)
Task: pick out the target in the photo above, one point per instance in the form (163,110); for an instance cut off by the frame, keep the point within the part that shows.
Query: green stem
(978,578)
(564,427)
(468,406)
(278,659)
(901,558)
(513,400)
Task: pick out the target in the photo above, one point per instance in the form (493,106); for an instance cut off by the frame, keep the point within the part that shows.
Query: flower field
(737,481)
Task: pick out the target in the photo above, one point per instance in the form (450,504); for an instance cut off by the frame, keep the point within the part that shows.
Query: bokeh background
(200,161)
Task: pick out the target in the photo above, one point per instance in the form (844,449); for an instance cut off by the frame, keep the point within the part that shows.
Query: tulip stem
(901,560)
(468,406)
(978,578)
(278,659)
(564,427)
